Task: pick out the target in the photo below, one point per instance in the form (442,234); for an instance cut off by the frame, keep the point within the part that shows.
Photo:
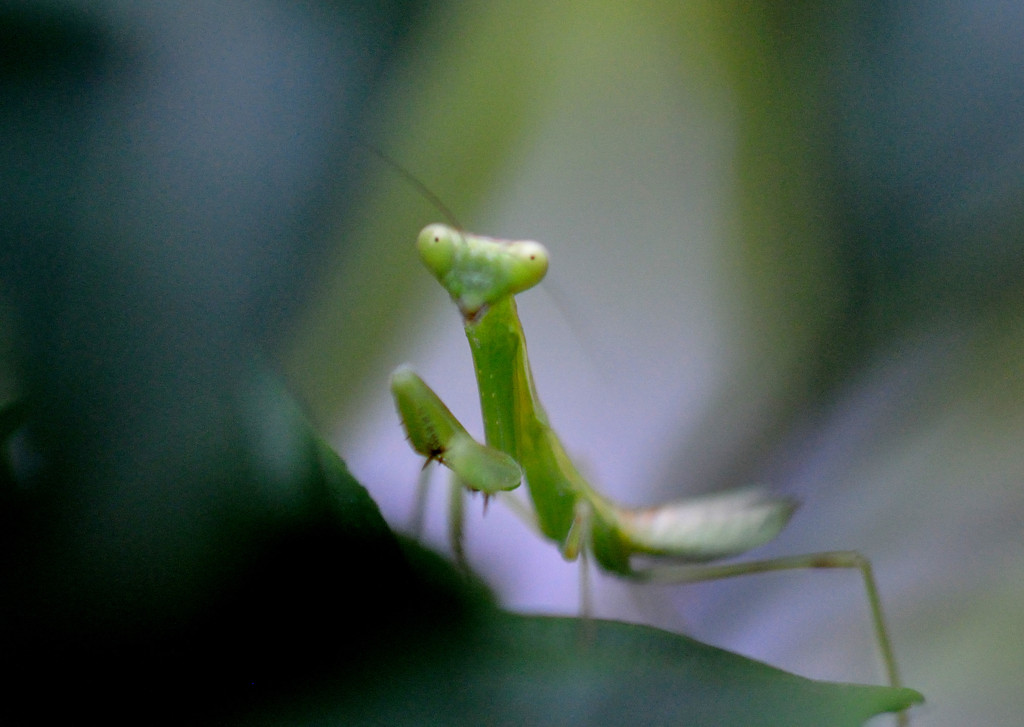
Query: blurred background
(784,250)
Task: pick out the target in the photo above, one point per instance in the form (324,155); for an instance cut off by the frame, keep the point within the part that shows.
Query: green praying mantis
(483,275)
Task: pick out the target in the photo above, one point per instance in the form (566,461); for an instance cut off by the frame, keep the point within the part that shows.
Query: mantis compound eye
(528,264)
(437,244)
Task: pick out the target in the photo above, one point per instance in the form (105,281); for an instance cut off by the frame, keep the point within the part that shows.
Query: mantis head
(479,271)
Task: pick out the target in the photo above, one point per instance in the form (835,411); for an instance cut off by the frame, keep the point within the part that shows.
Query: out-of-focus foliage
(176,543)
(515,670)
(786,239)
(789,235)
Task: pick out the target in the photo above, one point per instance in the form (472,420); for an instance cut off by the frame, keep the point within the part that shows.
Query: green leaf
(446,655)
(405,638)
(518,670)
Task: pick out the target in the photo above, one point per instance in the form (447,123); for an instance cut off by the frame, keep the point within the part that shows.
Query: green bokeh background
(785,249)
(732,298)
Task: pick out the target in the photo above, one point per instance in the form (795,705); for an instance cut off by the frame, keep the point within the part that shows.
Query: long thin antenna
(423,189)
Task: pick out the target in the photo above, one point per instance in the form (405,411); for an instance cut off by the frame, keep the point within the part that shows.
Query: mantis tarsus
(482,275)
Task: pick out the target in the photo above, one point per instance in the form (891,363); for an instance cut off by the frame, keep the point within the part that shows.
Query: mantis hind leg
(675,574)
(456,513)
(419,505)
(456,521)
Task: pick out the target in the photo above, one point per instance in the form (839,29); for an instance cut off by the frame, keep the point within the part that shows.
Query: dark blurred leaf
(517,670)
(338,617)
(451,657)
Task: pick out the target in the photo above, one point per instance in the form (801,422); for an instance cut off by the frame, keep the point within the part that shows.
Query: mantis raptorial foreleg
(482,275)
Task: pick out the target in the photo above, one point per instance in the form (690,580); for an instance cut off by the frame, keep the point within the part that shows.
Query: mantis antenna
(413,180)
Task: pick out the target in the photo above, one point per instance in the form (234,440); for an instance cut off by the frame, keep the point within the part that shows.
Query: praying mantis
(483,275)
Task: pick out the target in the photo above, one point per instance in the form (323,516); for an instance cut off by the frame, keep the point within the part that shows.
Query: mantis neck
(515,423)
(508,399)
